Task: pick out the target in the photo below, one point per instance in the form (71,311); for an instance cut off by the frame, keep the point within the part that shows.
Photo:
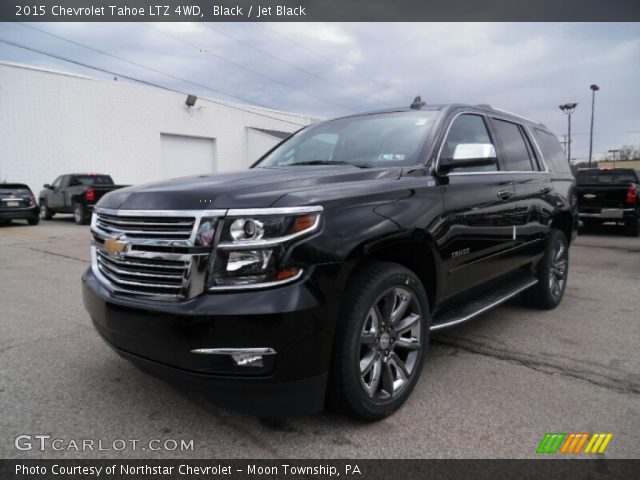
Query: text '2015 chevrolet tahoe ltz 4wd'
(320,271)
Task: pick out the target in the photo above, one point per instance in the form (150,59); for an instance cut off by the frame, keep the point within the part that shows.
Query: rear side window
(514,147)
(552,152)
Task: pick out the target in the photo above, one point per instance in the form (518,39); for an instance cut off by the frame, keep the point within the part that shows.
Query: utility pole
(568,109)
(594,88)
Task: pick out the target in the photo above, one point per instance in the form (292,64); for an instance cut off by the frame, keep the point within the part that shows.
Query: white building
(53,123)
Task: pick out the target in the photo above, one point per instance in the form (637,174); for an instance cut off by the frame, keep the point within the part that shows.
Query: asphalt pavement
(490,389)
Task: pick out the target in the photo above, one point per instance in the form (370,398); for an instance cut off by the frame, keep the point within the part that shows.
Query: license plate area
(611,213)
(13,204)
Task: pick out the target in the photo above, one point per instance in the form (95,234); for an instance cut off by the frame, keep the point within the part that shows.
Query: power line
(134,79)
(330,60)
(255,72)
(139,65)
(292,65)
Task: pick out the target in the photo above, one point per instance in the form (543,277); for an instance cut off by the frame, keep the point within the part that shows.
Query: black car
(609,195)
(17,203)
(75,193)
(320,272)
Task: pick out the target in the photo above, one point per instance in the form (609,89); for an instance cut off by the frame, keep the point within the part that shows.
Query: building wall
(620,164)
(53,123)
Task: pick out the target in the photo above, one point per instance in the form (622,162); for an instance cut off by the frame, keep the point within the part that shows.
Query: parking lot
(491,388)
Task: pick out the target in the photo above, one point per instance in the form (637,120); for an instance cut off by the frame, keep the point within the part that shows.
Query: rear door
(478,211)
(533,190)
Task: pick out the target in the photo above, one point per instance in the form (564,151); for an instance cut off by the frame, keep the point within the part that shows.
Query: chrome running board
(486,302)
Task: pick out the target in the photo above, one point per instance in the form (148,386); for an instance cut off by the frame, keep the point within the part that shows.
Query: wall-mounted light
(190,101)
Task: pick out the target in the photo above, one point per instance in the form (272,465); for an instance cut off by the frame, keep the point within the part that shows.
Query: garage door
(183,156)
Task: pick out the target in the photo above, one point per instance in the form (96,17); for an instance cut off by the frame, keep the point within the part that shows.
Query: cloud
(329,69)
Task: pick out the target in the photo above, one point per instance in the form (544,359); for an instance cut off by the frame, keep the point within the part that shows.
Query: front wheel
(45,211)
(380,342)
(552,273)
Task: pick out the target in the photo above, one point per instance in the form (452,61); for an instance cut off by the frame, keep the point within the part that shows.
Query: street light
(568,109)
(594,88)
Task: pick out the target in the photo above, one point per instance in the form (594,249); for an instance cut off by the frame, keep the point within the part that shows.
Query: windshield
(605,176)
(379,140)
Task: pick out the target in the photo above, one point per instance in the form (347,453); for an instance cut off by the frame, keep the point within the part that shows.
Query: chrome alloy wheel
(390,344)
(558,270)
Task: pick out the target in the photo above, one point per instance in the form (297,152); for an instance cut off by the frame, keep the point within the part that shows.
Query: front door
(479,204)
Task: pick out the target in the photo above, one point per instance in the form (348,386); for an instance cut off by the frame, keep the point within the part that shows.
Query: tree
(629,152)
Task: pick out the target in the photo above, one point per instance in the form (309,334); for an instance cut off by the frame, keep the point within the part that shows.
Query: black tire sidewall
(81,214)
(548,300)
(353,317)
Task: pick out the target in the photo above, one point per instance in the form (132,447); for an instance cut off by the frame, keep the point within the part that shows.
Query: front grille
(156,278)
(156,254)
(146,227)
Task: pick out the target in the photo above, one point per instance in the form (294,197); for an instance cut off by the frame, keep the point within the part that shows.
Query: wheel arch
(412,250)
(565,222)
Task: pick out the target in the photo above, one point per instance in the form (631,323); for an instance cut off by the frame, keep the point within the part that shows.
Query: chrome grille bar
(159,257)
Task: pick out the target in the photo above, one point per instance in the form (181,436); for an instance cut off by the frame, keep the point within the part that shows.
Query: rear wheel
(45,212)
(80,214)
(552,273)
(632,226)
(381,341)
(33,220)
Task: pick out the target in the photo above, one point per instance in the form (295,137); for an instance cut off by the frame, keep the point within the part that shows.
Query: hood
(254,188)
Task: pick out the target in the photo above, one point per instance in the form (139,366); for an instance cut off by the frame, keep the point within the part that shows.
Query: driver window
(56,183)
(467,128)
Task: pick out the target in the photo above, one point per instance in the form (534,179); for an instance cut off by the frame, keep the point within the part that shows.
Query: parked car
(322,269)
(75,193)
(17,203)
(609,195)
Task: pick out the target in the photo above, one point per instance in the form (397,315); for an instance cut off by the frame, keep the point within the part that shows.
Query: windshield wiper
(330,162)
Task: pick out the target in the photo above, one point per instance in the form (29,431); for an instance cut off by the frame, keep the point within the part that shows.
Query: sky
(332,69)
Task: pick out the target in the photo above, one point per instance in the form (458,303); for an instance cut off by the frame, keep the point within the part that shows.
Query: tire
(34,220)
(632,226)
(80,214)
(552,274)
(45,212)
(392,350)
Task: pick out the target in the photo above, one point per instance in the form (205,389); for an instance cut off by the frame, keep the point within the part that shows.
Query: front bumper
(19,213)
(608,214)
(297,321)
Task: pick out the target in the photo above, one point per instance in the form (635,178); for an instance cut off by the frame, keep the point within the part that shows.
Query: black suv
(321,270)
(17,203)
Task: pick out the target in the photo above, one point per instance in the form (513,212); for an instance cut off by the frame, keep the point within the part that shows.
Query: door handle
(545,189)
(505,194)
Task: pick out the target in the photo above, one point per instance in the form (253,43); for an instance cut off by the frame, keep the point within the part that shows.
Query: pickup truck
(609,195)
(75,193)
(320,272)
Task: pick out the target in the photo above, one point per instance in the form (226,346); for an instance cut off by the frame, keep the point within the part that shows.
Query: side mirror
(469,155)
(46,186)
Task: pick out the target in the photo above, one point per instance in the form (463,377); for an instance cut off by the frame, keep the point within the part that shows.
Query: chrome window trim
(496,172)
(537,147)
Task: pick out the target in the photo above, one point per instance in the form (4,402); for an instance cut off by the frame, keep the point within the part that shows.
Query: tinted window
(514,149)
(467,129)
(91,180)
(552,152)
(605,176)
(18,189)
(56,183)
(378,140)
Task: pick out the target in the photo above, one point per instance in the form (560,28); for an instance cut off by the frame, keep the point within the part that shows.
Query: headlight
(253,246)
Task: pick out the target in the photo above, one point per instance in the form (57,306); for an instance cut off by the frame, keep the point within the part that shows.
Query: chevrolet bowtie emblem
(114,247)
(589,196)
